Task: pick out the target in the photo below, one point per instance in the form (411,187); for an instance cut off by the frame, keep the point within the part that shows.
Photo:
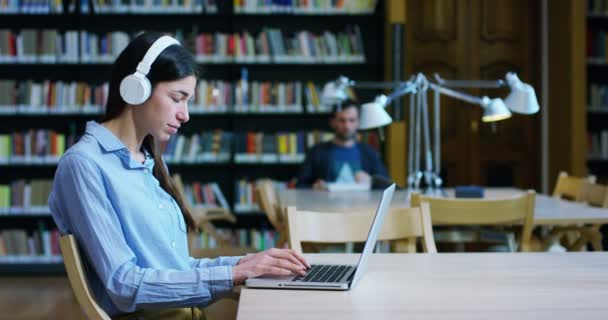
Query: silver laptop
(332,277)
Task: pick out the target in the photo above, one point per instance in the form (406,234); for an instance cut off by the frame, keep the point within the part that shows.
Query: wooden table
(548,211)
(450,286)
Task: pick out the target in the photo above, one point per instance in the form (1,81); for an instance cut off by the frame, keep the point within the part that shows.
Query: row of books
(210,146)
(272,45)
(34,146)
(42,146)
(245,197)
(25,197)
(148,6)
(597,7)
(269,46)
(31,6)
(185,6)
(249,147)
(39,46)
(305,6)
(211,96)
(598,144)
(281,97)
(281,147)
(205,195)
(598,96)
(597,44)
(51,97)
(20,244)
(30,197)
(249,238)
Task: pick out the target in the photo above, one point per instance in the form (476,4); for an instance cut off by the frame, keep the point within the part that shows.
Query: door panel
(478,39)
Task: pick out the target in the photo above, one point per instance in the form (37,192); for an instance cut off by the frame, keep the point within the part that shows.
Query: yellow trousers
(168,314)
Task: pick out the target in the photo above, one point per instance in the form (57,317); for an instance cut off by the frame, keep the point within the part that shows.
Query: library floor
(37,298)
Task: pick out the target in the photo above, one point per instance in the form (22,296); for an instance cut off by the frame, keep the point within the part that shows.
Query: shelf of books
(255,113)
(319,7)
(269,46)
(58,98)
(597,88)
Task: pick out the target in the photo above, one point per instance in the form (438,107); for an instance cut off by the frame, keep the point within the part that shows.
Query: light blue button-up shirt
(132,232)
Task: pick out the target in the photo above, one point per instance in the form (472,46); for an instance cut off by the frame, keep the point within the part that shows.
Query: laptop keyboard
(324,273)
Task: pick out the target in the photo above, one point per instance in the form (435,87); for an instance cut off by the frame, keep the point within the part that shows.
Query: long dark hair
(174,63)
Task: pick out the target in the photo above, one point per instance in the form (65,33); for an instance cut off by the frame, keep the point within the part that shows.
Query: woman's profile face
(166,109)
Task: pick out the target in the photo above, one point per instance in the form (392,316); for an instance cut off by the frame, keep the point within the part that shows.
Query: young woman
(113,193)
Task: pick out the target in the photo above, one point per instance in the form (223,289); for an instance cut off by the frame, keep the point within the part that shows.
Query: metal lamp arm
(456,94)
(376,85)
(407,88)
(470,83)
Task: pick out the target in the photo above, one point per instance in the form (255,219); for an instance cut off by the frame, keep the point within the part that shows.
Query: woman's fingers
(287,265)
(289,254)
(300,258)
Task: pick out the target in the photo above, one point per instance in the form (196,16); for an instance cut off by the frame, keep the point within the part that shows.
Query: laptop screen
(387,197)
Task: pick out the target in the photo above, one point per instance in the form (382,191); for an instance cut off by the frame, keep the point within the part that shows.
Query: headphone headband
(154,51)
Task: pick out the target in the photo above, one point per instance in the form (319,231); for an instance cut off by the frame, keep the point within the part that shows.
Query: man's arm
(376,167)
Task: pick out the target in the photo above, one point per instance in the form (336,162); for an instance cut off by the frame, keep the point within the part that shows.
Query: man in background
(342,160)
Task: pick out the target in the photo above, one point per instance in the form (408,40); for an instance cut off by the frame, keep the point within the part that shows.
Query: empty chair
(480,212)
(408,224)
(594,194)
(269,202)
(78,279)
(570,187)
(580,235)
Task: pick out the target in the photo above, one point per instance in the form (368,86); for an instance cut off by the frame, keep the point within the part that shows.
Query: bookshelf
(247,95)
(597,88)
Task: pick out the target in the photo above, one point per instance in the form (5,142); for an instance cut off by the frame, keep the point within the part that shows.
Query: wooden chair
(204,218)
(570,187)
(479,212)
(594,194)
(78,279)
(323,227)
(269,202)
(577,236)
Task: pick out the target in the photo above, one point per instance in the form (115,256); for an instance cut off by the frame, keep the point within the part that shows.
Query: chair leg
(594,237)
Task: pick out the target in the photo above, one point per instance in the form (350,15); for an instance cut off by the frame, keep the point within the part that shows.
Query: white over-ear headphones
(136,88)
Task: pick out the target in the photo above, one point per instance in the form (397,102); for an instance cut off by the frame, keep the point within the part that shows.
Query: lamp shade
(494,110)
(335,91)
(373,114)
(522,98)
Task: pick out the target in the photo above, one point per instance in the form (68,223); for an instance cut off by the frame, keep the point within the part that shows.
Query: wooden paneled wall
(479,39)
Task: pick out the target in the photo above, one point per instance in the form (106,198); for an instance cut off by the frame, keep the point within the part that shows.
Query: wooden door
(479,39)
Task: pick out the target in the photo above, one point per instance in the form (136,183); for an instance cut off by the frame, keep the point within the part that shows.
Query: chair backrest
(78,280)
(594,194)
(514,210)
(324,227)
(570,187)
(269,202)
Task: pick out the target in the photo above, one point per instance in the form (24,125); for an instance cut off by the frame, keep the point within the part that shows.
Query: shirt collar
(110,143)
(106,139)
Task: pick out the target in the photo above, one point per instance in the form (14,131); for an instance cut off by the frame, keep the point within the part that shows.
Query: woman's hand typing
(271,262)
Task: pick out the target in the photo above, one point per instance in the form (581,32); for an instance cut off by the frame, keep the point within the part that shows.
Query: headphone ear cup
(135,88)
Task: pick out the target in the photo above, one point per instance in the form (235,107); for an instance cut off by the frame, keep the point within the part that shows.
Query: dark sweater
(316,164)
